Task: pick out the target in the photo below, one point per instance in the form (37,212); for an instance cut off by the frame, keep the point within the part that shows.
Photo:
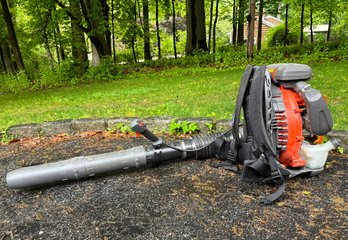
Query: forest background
(112,44)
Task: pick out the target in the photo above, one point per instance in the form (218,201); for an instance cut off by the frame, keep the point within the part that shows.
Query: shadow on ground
(179,200)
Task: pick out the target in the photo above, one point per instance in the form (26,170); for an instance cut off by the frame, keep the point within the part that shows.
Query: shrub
(105,71)
(276,36)
(14,82)
(183,127)
(60,75)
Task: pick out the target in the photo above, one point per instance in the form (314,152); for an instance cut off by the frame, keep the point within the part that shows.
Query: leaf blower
(275,110)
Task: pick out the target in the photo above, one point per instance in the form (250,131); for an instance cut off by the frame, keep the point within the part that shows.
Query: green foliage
(107,70)
(5,138)
(340,30)
(340,150)
(14,82)
(183,127)
(212,125)
(276,36)
(226,57)
(120,128)
(60,75)
(177,92)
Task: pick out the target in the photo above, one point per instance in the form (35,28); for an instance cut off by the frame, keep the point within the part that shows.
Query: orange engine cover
(290,156)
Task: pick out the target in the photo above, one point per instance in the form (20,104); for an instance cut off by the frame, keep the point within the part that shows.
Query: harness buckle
(277,176)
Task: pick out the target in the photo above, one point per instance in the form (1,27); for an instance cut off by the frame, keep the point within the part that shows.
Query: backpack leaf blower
(275,110)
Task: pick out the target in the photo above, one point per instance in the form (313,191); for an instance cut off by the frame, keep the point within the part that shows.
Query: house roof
(271,21)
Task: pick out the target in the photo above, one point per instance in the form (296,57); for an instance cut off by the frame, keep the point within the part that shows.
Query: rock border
(156,124)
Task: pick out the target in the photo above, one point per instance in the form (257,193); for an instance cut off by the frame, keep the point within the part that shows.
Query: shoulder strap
(256,111)
(241,94)
(262,138)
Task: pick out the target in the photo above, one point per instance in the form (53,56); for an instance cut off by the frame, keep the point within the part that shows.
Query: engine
(297,106)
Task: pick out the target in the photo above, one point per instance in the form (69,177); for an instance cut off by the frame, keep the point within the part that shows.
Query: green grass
(193,92)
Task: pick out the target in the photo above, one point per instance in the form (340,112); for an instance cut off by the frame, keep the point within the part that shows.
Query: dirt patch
(178,200)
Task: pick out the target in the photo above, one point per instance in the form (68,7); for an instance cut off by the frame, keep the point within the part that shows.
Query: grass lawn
(176,92)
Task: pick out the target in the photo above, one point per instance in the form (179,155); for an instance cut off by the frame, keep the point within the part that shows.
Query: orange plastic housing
(290,156)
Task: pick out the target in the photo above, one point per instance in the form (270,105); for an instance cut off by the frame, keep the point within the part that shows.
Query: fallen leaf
(308,193)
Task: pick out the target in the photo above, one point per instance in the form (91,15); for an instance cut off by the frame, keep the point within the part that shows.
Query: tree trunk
(139,13)
(234,24)
(240,33)
(210,22)
(174,28)
(78,44)
(6,56)
(107,32)
(96,18)
(113,32)
(251,25)
(280,6)
(57,39)
(95,55)
(302,19)
(134,31)
(311,23)
(286,24)
(259,29)
(56,45)
(158,33)
(147,51)
(215,22)
(195,23)
(44,23)
(329,28)
(12,35)
(47,48)
(61,49)
(2,60)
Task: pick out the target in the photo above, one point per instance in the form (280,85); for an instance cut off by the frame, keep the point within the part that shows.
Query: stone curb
(155,124)
(70,126)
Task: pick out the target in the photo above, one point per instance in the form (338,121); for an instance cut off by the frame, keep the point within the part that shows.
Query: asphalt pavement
(177,200)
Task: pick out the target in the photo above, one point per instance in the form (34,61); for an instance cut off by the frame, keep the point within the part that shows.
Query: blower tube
(198,147)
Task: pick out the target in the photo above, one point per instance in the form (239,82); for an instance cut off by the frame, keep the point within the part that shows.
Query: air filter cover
(289,72)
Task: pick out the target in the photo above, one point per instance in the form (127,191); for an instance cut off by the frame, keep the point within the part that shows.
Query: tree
(215,22)
(241,13)
(210,22)
(12,35)
(158,33)
(251,23)
(329,28)
(234,24)
(57,36)
(302,20)
(286,23)
(174,28)
(113,31)
(147,51)
(332,10)
(134,32)
(78,43)
(95,24)
(5,53)
(2,61)
(195,24)
(311,21)
(259,27)
(43,21)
